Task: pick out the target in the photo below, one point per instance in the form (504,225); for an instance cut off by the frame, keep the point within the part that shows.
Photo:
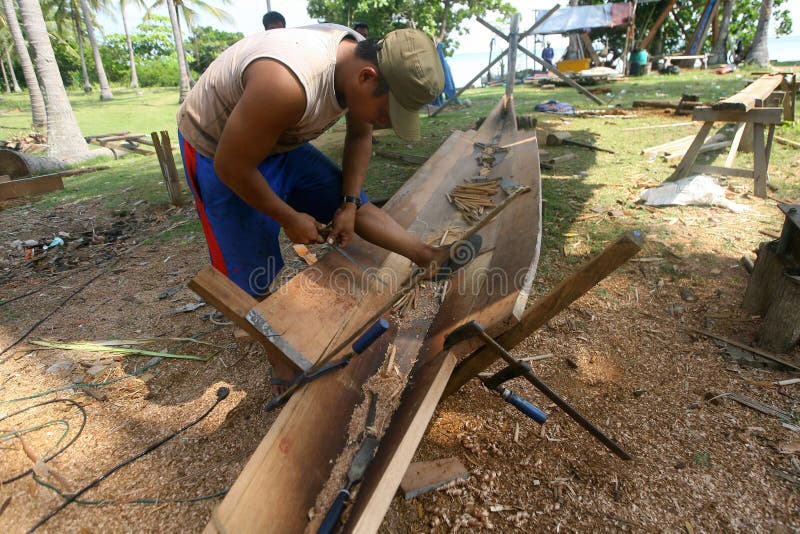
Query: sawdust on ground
(702,462)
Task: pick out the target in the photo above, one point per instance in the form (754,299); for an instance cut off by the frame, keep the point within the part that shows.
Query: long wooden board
(745,100)
(491,289)
(281,480)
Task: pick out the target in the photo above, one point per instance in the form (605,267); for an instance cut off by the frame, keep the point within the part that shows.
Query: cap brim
(404,122)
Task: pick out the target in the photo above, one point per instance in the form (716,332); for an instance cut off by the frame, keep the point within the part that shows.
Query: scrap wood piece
(760,352)
(302,251)
(759,406)
(422,477)
(24,187)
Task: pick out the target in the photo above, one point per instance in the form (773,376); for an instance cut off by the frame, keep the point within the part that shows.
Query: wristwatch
(354,200)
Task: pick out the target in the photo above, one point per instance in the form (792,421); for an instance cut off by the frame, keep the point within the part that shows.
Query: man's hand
(303,229)
(344,222)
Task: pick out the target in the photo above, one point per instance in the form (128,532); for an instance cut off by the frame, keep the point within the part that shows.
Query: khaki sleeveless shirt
(309,52)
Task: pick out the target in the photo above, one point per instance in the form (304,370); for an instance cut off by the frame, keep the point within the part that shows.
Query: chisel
(359,345)
(356,472)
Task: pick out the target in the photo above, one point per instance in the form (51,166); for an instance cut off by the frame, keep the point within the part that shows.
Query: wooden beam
(722,171)
(761,115)
(490,300)
(24,187)
(691,154)
(561,75)
(219,291)
(513,42)
(662,17)
(567,292)
(745,100)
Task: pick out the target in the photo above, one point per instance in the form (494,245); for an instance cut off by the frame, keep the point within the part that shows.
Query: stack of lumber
(751,96)
(282,479)
(124,142)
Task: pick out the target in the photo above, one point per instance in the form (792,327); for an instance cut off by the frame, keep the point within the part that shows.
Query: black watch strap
(354,200)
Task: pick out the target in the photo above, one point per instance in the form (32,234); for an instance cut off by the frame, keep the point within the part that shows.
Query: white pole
(269,6)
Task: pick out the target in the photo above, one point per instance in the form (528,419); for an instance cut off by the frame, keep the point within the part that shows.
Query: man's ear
(368,74)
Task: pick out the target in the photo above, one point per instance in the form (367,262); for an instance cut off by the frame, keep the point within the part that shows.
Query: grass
(593,182)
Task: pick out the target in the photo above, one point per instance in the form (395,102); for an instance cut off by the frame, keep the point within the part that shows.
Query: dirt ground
(622,355)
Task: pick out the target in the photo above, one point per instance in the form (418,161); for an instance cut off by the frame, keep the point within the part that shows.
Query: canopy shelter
(575,18)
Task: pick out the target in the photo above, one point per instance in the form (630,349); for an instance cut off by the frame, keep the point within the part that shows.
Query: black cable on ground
(222,393)
(132,501)
(59,451)
(54,310)
(45,284)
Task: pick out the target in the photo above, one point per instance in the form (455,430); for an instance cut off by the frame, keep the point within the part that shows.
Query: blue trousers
(242,241)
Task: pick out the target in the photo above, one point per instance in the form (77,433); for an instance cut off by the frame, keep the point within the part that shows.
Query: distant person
(273,20)
(548,54)
(362,28)
(738,54)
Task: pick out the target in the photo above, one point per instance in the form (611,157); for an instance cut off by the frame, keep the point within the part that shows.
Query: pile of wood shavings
(388,385)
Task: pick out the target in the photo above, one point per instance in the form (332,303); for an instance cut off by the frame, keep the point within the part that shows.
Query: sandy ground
(622,355)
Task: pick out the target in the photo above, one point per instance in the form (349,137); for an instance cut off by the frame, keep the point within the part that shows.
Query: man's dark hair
(368,51)
(273,19)
(361,25)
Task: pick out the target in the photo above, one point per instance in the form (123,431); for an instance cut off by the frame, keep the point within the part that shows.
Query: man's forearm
(355,160)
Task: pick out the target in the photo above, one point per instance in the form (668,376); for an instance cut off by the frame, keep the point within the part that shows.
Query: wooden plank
(292,463)
(662,17)
(737,138)
(422,477)
(30,186)
(760,172)
(761,115)
(569,290)
(407,158)
(745,100)
(219,291)
(488,298)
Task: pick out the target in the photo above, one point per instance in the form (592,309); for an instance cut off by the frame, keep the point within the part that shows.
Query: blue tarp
(449,84)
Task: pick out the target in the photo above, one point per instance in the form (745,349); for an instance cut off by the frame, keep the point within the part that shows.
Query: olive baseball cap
(410,64)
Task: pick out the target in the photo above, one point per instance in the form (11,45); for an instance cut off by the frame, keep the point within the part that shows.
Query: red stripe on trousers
(217,259)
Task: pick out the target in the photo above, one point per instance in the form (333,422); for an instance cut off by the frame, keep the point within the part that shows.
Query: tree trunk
(131,58)
(575,47)
(87,85)
(191,31)
(64,138)
(5,76)
(720,52)
(14,83)
(759,52)
(176,33)
(105,89)
(39,115)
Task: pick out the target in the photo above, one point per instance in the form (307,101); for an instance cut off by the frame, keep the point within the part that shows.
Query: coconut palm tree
(131,57)
(105,88)
(189,9)
(37,101)
(11,67)
(64,138)
(183,68)
(759,53)
(5,76)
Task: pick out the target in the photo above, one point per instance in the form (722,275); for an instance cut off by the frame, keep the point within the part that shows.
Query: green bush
(160,72)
